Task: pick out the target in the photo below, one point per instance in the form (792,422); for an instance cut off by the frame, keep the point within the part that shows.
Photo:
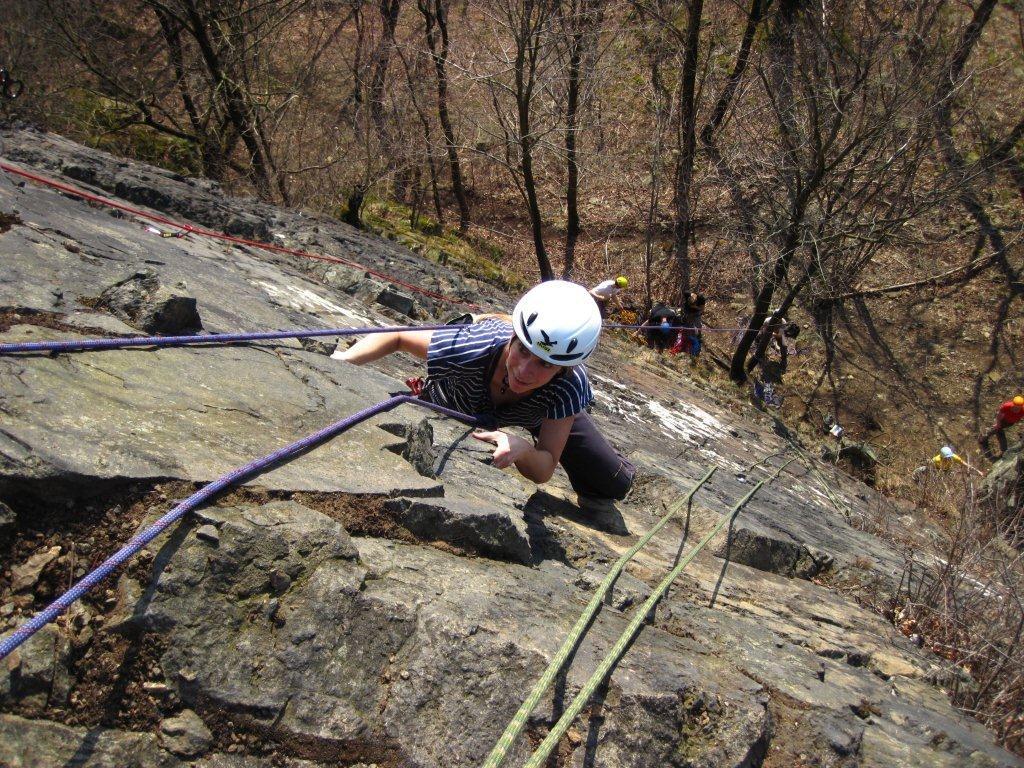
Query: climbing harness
(544,749)
(224,237)
(10,88)
(212,339)
(518,721)
(119,558)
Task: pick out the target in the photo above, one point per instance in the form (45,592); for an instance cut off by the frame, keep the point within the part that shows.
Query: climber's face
(527,372)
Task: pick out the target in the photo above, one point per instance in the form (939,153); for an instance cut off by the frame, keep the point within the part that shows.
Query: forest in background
(819,158)
(855,165)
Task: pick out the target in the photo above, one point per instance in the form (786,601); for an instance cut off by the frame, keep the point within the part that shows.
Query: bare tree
(207,83)
(581,22)
(709,133)
(435,17)
(527,25)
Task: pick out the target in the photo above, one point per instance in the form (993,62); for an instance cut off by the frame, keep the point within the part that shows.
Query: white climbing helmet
(946,452)
(558,321)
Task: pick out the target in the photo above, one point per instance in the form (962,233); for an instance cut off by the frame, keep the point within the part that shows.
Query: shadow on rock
(599,514)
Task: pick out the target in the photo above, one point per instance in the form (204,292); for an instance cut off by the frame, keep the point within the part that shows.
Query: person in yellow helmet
(607,290)
(1009,413)
(943,461)
(946,458)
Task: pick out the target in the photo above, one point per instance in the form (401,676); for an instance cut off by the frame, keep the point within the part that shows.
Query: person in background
(607,290)
(946,458)
(779,334)
(689,338)
(525,373)
(664,323)
(1009,413)
(943,461)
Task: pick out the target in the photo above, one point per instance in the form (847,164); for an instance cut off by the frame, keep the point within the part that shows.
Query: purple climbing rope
(212,339)
(95,345)
(115,561)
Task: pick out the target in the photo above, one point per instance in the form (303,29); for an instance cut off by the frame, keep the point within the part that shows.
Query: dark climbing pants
(594,467)
(986,448)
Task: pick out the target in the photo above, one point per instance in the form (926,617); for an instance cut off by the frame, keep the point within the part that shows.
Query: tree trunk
(428,140)
(687,150)
(572,215)
(354,207)
(662,118)
(530,185)
(708,135)
(763,300)
(389,10)
(525,77)
(781,65)
(235,104)
(437,39)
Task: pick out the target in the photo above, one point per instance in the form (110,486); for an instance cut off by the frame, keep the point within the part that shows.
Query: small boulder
(498,532)
(209,534)
(279,581)
(144,302)
(185,735)
(26,575)
(419,449)
(1003,487)
(398,302)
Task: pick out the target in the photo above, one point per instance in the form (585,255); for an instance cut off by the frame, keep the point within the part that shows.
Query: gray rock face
(413,642)
(39,744)
(398,302)
(1003,487)
(408,646)
(467,523)
(7,518)
(25,576)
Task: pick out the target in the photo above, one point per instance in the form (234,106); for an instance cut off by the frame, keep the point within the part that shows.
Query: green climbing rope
(611,659)
(518,722)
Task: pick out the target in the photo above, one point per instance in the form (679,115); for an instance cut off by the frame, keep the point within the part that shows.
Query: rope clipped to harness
(288,452)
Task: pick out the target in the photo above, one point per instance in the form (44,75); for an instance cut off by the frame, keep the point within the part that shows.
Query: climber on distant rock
(946,458)
(1009,413)
(527,373)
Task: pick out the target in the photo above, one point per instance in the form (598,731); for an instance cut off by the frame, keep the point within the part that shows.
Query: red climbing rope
(190,229)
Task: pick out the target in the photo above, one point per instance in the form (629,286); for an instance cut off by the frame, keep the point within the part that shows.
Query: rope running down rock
(119,558)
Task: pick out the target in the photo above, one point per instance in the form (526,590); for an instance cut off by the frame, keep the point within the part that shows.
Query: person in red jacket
(1009,413)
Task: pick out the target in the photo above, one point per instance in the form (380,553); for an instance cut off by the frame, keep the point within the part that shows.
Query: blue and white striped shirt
(459,361)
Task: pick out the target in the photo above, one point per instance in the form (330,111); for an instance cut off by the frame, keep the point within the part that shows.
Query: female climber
(528,373)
